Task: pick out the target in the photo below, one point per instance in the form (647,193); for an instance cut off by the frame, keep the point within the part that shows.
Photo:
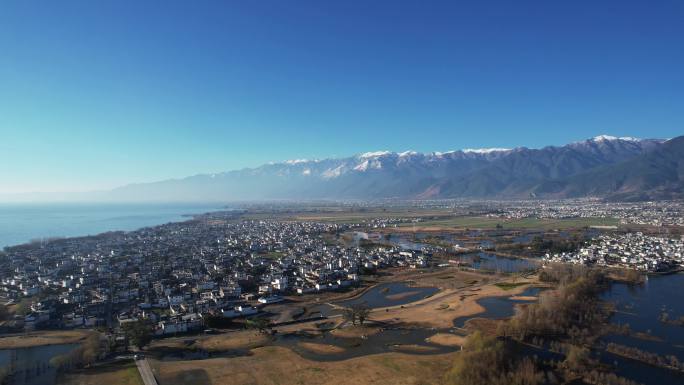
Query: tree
(4,314)
(362,311)
(23,307)
(349,315)
(577,358)
(357,311)
(138,332)
(263,325)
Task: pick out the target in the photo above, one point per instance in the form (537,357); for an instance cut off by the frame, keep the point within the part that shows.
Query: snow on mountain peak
(296,161)
(374,154)
(407,153)
(368,163)
(485,150)
(601,138)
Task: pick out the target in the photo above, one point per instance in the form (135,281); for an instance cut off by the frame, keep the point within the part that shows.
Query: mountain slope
(654,175)
(485,173)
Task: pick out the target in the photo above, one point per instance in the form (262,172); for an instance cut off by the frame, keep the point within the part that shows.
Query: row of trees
(670,361)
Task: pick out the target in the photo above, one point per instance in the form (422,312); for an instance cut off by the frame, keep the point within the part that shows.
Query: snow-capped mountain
(489,172)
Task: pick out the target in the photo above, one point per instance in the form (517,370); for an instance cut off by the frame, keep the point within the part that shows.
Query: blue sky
(96,94)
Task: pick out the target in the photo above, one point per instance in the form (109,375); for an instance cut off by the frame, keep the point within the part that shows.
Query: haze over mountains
(604,166)
(610,167)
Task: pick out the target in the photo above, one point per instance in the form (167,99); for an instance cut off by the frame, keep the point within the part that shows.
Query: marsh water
(31,366)
(491,262)
(391,294)
(497,307)
(640,307)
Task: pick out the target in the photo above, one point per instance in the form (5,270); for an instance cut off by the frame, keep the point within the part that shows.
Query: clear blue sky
(96,94)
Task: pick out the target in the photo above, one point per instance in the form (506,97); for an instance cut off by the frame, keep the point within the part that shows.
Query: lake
(498,307)
(391,294)
(21,223)
(31,366)
(491,262)
(640,307)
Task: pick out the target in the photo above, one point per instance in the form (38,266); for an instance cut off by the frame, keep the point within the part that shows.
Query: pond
(491,262)
(497,307)
(403,242)
(31,366)
(391,294)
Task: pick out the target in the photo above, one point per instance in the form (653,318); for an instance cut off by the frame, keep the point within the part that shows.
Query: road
(146,372)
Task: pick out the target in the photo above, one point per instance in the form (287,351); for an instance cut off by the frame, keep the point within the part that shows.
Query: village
(631,250)
(176,274)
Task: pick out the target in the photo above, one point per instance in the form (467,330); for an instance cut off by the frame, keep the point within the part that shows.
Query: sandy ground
(43,338)
(412,349)
(446,339)
(321,348)
(395,297)
(524,298)
(277,365)
(357,331)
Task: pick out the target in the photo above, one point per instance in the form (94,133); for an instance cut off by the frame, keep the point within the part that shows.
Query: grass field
(119,373)
(510,285)
(43,338)
(432,219)
(272,255)
(347,215)
(525,223)
(278,365)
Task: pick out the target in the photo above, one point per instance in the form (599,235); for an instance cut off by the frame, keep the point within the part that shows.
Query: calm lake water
(497,307)
(20,223)
(391,294)
(32,365)
(640,307)
(490,262)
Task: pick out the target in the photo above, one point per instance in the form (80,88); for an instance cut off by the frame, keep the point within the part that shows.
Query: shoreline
(185,215)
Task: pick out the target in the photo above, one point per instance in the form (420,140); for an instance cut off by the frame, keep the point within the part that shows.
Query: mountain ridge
(468,173)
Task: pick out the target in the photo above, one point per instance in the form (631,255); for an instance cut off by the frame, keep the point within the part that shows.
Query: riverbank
(41,338)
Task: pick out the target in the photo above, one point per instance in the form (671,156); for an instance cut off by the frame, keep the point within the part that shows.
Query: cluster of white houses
(632,250)
(655,213)
(176,274)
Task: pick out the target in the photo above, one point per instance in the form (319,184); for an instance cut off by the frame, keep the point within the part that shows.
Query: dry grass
(278,365)
(240,340)
(121,373)
(321,348)
(44,338)
(355,331)
(446,339)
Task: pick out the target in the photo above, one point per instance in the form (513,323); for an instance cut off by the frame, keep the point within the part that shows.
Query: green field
(432,218)
(526,223)
(510,285)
